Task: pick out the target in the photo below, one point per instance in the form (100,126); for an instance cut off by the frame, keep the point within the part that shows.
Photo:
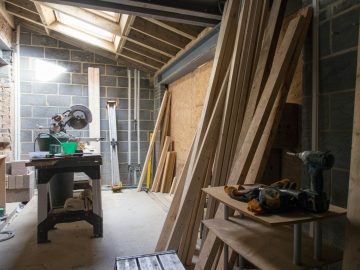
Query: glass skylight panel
(112,16)
(85,27)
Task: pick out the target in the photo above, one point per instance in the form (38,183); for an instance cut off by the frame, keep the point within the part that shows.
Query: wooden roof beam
(171,28)
(23,14)
(125,25)
(8,17)
(148,28)
(24,4)
(46,14)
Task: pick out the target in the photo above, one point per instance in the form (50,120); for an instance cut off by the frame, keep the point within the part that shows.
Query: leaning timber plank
(206,150)
(174,207)
(161,163)
(166,123)
(246,14)
(267,138)
(352,246)
(186,239)
(199,216)
(263,24)
(173,186)
(263,149)
(239,101)
(277,75)
(245,77)
(166,168)
(266,55)
(152,141)
(268,48)
(221,61)
(168,171)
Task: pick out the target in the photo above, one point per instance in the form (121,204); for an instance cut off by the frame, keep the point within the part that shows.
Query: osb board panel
(187,100)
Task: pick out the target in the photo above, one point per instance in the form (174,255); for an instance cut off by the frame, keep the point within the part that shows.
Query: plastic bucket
(69,147)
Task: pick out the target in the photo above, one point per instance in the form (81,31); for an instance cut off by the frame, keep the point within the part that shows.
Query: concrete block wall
(339,26)
(42,98)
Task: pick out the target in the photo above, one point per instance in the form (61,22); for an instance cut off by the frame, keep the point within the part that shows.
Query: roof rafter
(160,33)
(169,27)
(125,24)
(47,15)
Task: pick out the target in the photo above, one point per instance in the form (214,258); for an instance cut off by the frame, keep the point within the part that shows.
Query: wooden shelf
(268,247)
(293,217)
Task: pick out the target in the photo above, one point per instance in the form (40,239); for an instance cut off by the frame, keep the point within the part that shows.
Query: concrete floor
(132,224)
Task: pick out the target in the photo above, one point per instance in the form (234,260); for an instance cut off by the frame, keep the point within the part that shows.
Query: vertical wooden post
(94,105)
(352,245)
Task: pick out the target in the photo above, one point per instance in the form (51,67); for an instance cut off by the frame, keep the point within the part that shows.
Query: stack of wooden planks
(247,91)
(163,179)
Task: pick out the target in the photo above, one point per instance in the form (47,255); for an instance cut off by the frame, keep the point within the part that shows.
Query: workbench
(46,168)
(267,241)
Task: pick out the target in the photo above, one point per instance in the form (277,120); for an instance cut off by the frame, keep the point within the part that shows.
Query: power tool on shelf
(316,162)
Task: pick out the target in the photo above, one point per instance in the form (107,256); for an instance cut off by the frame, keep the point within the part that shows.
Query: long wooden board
(220,66)
(259,162)
(282,61)
(152,142)
(174,207)
(168,171)
(206,150)
(278,74)
(94,105)
(165,128)
(352,245)
(161,163)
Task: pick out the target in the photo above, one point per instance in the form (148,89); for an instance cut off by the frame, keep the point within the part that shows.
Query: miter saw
(77,117)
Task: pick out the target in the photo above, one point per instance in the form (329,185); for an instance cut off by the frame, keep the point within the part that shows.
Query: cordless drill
(316,161)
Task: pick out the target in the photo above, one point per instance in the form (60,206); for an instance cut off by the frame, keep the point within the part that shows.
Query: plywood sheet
(187,100)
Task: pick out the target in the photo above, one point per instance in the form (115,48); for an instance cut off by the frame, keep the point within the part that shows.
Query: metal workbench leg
(317,240)
(226,248)
(42,228)
(297,244)
(97,207)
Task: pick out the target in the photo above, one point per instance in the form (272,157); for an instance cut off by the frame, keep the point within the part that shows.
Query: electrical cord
(9,234)
(42,133)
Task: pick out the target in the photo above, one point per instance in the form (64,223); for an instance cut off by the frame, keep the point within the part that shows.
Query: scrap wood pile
(163,179)
(248,87)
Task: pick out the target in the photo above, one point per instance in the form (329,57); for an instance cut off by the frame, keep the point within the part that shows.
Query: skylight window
(112,16)
(85,27)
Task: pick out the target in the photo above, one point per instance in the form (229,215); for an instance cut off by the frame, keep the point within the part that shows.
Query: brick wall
(339,26)
(42,99)
(6,90)
(6,130)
